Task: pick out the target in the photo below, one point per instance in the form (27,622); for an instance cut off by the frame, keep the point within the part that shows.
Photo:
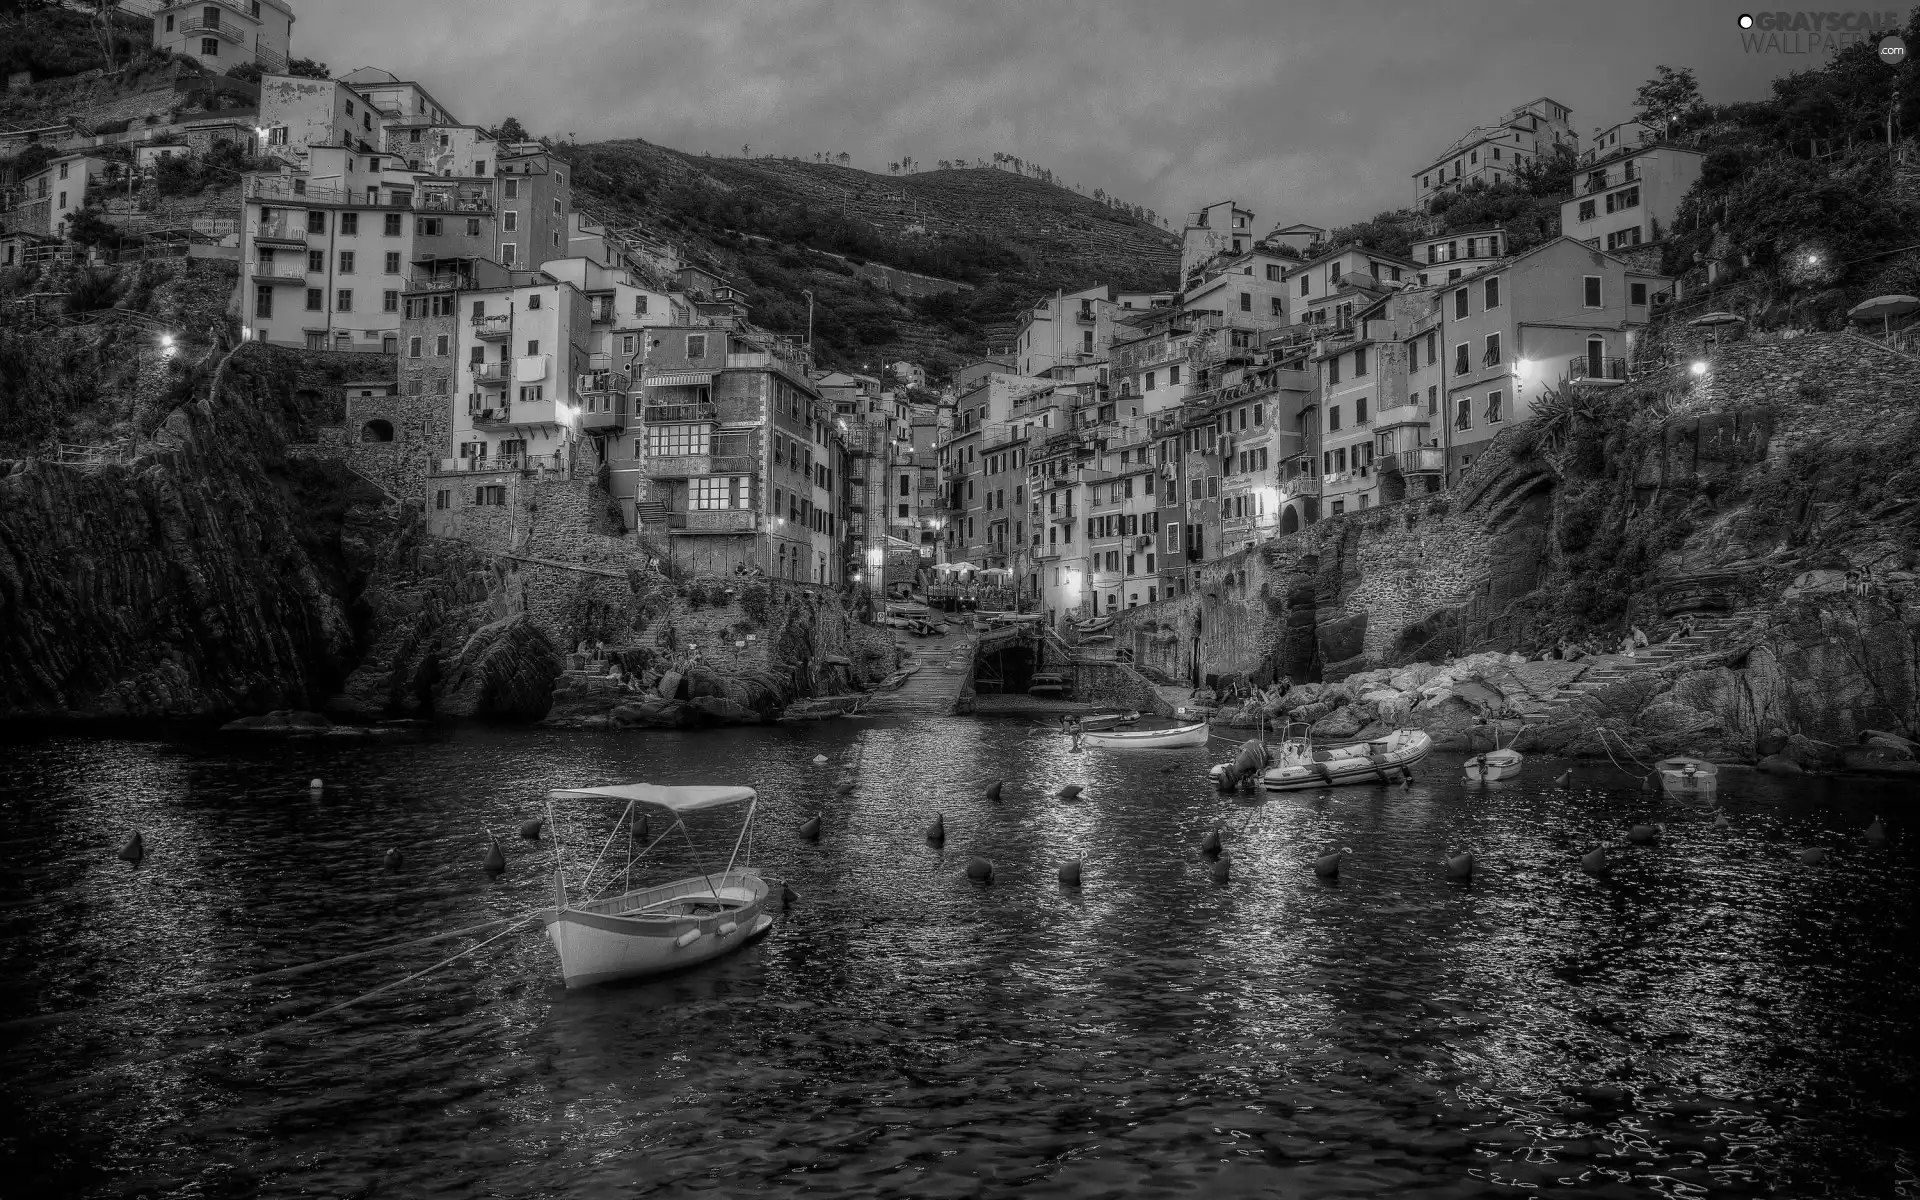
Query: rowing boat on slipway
(652,930)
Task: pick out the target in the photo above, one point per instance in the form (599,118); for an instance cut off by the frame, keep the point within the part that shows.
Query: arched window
(376,431)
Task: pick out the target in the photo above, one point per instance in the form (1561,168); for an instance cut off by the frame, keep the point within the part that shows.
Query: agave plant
(1559,413)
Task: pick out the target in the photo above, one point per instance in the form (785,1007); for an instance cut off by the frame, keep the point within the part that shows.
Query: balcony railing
(600,383)
(492,328)
(465,200)
(492,374)
(495,414)
(672,414)
(602,314)
(1424,460)
(1085,318)
(281,231)
(201,23)
(279,272)
(713,520)
(1304,485)
(1597,370)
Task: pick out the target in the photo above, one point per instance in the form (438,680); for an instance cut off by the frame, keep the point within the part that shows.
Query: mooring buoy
(993,790)
(1210,845)
(134,850)
(810,829)
(1070,792)
(1070,873)
(1596,862)
(937,832)
(1876,833)
(845,789)
(1565,780)
(787,894)
(395,859)
(496,860)
(1813,856)
(1219,871)
(980,869)
(819,760)
(1460,866)
(531,830)
(1720,821)
(1406,779)
(1645,835)
(1229,779)
(1327,866)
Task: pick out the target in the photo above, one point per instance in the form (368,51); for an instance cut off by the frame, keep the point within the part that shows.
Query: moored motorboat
(652,930)
(1494,764)
(1180,737)
(1299,764)
(1688,778)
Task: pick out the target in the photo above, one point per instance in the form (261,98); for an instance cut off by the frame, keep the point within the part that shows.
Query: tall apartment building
(1219,228)
(1450,256)
(398,100)
(1331,287)
(226,33)
(1245,290)
(49,197)
(1363,377)
(1493,153)
(1630,197)
(299,113)
(1067,330)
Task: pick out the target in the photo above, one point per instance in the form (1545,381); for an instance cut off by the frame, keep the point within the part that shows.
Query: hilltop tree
(746,152)
(1668,95)
(844,159)
(509,130)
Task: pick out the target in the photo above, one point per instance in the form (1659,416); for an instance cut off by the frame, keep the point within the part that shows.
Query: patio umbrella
(1715,321)
(1885,308)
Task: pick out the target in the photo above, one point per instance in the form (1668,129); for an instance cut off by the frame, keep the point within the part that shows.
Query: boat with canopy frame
(653,930)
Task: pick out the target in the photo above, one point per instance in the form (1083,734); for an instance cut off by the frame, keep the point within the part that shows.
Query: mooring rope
(1646,771)
(244,980)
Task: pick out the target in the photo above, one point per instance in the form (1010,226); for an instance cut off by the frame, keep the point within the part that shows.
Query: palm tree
(746,152)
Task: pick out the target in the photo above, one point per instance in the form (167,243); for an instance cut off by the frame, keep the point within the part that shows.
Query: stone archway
(1290,520)
(376,431)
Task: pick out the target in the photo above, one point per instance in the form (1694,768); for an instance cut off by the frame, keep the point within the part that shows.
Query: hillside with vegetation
(781,227)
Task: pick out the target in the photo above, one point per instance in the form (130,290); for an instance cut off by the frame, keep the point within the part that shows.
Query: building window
(1493,293)
(390,301)
(263,300)
(1493,350)
(1638,293)
(1460,303)
(678,441)
(426,226)
(315,300)
(441,349)
(1586,210)
(1333,420)
(316,222)
(1360,411)
(513,189)
(346,262)
(1462,359)
(393,262)
(1333,369)
(718,491)
(350,224)
(696,346)
(1463,412)
(1433,400)
(391,225)
(533,393)
(1360,364)
(1173,376)
(1590,290)
(343,300)
(210,47)
(473,227)
(316,260)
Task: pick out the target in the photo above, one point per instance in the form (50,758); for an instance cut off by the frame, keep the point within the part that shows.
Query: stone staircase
(1711,631)
(932,691)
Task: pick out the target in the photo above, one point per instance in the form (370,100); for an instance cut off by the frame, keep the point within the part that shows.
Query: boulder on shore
(284,721)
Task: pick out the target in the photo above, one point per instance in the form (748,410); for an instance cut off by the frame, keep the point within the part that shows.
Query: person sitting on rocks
(1639,637)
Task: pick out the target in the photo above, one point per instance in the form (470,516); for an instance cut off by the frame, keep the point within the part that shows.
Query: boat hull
(1185,737)
(1491,766)
(647,932)
(1384,761)
(1688,778)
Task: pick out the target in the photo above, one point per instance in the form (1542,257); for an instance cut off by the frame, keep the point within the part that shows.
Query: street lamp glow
(1699,368)
(1524,368)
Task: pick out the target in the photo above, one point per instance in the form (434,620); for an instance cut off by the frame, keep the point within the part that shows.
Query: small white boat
(653,930)
(1494,764)
(1688,778)
(1300,765)
(1181,737)
(1096,721)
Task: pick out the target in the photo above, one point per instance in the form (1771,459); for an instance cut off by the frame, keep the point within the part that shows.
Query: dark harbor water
(1716,1019)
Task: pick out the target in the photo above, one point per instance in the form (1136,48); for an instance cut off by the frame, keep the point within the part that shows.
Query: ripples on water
(1715,1019)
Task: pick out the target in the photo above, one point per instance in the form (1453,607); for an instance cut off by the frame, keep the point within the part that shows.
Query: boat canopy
(678,799)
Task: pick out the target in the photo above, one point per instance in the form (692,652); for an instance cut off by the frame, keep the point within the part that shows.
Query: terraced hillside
(780,227)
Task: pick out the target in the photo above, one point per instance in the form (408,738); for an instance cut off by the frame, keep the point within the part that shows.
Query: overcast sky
(1305,112)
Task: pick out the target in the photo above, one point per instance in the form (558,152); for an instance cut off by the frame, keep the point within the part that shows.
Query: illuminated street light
(1700,368)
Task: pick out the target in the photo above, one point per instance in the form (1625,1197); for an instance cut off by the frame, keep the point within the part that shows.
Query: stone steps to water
(1709,633)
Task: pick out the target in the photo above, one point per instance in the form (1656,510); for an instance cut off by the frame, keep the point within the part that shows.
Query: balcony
(1596,370)
(475,198)
(492,374)
(600,383)
(203,23)
(1425,460)
(283,231)
(678,414)
(753,358)
(279,272)
(713,520)
(492,329)
(486,415)
(1304,485)
(602,313)
(1085,318)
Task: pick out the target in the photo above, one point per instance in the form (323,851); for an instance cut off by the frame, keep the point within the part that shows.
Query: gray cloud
(1306,111)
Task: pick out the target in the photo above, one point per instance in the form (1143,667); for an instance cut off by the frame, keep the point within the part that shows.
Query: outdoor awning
(681,379)
(678,799)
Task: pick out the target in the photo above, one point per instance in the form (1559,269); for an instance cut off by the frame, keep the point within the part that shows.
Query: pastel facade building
(1224,227)
(221,34)
(1494,153)
(1630,198)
